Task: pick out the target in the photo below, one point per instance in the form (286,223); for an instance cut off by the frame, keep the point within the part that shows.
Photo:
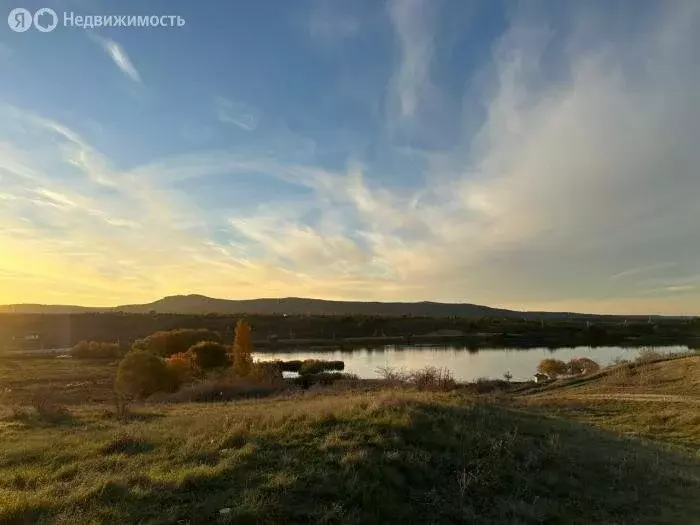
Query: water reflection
(466,363)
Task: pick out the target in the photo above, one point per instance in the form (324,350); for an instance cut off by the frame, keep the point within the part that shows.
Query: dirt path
(642,398)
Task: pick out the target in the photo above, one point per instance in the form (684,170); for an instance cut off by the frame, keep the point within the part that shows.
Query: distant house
(541,378)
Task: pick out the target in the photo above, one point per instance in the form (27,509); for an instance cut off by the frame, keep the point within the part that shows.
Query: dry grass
(75,381)
(393,456)
(426,378)
(220,390)
(655,399)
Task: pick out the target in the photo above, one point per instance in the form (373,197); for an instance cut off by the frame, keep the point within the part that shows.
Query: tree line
(67,330)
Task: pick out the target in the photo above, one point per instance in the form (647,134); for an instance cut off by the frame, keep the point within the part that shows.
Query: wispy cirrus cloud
(414,25)
(239,114)
(119,57)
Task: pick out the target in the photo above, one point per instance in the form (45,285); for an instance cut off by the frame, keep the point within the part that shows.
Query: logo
(21,20)
(45,20)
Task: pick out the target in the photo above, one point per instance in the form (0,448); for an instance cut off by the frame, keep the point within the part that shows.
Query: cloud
(242,115)
(577,191)
(119,57)
(634,272)
(412,21)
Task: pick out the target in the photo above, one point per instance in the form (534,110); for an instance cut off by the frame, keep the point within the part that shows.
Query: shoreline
(475,342)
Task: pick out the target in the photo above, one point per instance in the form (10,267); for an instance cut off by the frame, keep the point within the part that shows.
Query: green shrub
(166,343)
(141,374)
(207,355)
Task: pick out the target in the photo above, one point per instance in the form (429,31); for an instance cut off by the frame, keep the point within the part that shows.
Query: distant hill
(200,304)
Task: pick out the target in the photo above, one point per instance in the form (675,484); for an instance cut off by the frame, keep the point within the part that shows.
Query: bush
(314,366)
(266,372)
(141,374)
(582,366)
(552,368)
(207,355)
(427,378)
(393,375)
(182,367)
(289,366)
(432,378)
(97,350)
(169,342)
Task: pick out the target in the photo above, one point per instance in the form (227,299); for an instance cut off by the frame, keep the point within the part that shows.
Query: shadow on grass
(415,463)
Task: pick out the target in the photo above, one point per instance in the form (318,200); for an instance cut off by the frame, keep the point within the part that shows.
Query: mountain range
(200,304)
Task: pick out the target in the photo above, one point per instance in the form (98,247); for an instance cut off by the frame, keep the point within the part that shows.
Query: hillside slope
(355,458)
(656,400)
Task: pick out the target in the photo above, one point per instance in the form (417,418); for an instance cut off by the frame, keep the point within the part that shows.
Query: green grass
(671,422)
(355,458)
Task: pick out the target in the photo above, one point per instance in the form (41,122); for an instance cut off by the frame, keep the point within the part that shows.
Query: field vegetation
(189,437)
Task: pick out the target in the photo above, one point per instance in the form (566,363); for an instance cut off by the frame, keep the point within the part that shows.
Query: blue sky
(537,155)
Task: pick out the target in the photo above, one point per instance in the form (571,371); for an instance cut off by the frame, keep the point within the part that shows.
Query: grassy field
(379,455)
(656,400)
(73,381)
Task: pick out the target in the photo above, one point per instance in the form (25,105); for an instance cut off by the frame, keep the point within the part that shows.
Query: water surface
(465,364)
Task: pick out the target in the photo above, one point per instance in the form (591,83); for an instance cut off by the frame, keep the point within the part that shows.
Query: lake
(465,364)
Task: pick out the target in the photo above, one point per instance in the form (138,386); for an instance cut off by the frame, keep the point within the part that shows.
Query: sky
(531,155)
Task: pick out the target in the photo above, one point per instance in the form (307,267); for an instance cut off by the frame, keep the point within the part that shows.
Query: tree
(168,342)
(242,349)
(582,365)
(182,367)
(552,368)
(209,354)
(141,374)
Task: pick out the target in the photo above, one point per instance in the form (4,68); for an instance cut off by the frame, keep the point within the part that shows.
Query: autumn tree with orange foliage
(182,367)
(242,349)
(553,368)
